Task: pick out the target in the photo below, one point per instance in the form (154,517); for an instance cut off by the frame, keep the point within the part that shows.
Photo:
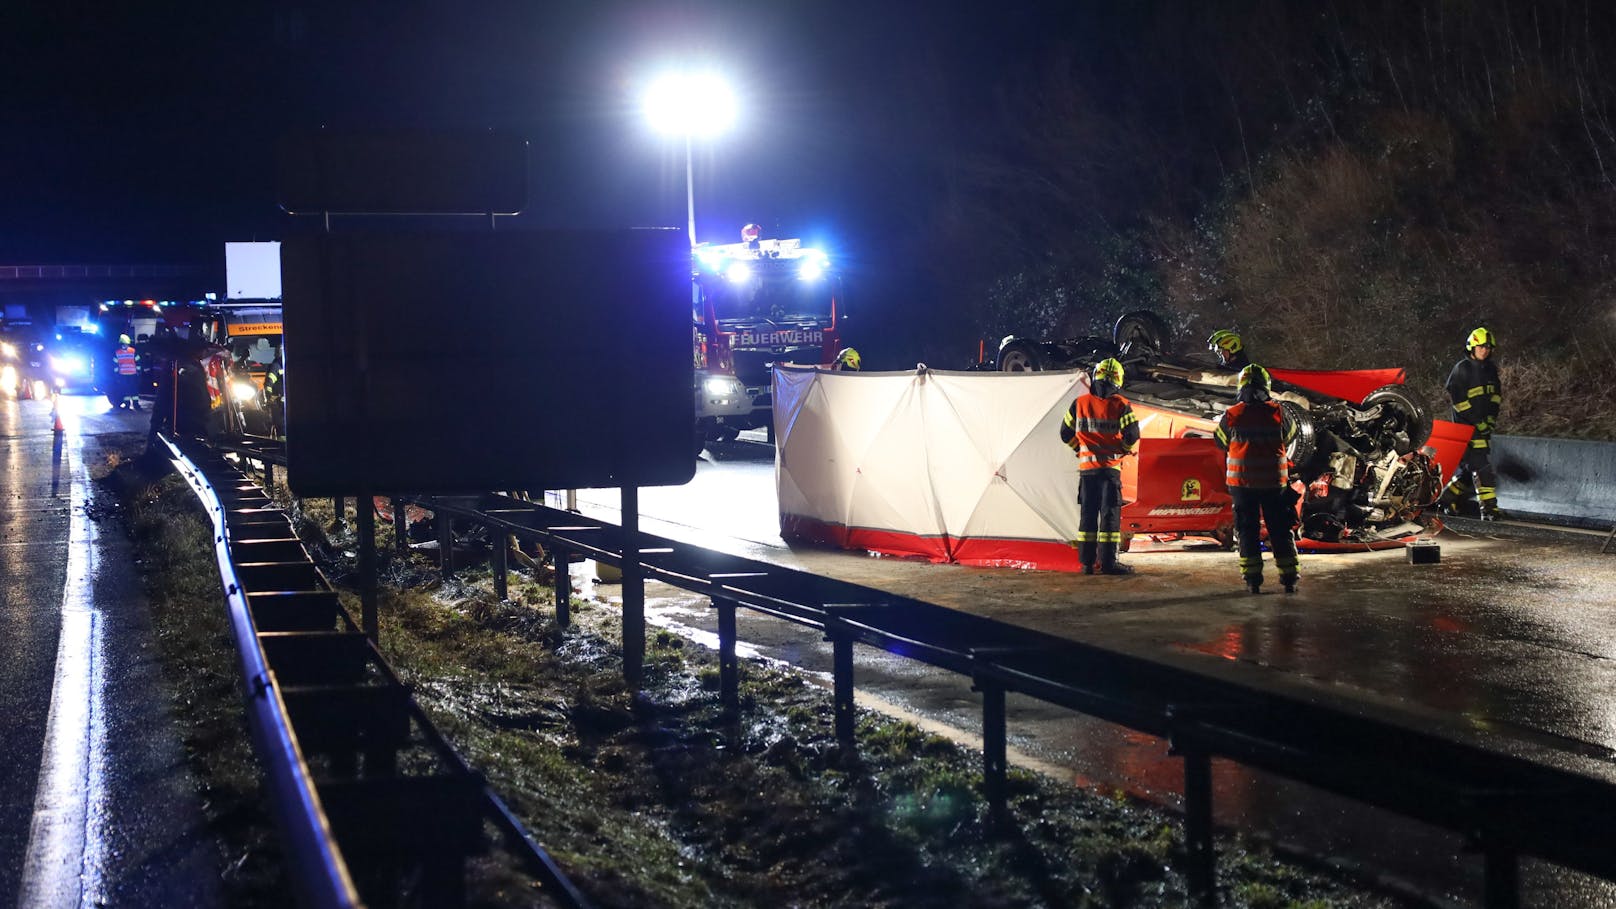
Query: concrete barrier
(1567,481)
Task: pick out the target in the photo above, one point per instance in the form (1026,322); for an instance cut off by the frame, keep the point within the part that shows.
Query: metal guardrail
(367,792)
(1509,806)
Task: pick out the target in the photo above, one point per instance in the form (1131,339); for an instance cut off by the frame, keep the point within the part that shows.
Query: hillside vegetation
(1347,184)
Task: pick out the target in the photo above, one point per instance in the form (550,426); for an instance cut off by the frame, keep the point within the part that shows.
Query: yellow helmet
(1226,341)
(1481,337)
(123,339)
(1108,370)
(1255,375)
(848,358)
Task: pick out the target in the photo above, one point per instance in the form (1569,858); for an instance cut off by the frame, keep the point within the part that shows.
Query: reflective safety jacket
(1100,430)
(1255,433)
(124,357)
(1476,395)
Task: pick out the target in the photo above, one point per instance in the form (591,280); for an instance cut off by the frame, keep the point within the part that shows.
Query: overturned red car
(1367,461)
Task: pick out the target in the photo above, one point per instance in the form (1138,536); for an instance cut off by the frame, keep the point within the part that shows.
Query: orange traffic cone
(56,414)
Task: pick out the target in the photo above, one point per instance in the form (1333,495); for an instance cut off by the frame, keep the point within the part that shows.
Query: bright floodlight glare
(739,273)
(696,104)
(709,258)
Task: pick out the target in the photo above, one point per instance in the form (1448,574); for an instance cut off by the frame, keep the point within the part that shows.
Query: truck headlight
(244,392)
(723,386)
(68,365)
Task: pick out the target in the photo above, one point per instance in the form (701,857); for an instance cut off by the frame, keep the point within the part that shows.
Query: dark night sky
(145,132)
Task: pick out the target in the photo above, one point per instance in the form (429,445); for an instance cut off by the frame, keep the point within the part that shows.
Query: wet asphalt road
(1509,639)
(95,804)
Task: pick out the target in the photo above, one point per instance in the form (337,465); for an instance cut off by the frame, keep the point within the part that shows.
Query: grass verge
(664,798)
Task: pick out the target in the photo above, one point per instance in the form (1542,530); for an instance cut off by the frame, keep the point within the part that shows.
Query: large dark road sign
(463,362)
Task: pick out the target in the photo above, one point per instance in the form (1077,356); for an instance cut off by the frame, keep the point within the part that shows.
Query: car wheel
(1411,415)
(1141,332)
(1022,356)
(1306,441)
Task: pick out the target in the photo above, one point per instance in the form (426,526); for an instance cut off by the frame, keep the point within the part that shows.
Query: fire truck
(757,303)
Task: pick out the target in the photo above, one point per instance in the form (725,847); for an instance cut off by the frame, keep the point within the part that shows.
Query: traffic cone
(56,414)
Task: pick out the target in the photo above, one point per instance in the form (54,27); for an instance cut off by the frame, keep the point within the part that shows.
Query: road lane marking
(64,864)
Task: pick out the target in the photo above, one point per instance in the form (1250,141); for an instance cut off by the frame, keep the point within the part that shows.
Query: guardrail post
(561,561)
(633,591)
(842,686)
(501,565)
(445,544)
(339,511)
(365,517)
(1202,871)
(729,668)
(994,760)
(401,526)
(1502,878)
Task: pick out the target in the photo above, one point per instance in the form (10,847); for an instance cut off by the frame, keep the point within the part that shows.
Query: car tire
(1306,441)
(1141,332)
(1022,356)
(1416,413)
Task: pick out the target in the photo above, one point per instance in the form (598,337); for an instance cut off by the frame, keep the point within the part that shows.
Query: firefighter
(1254,434)
(275,396)
(125,363)
(847,359)
(1476,394)
(1101,428)
(1230,349)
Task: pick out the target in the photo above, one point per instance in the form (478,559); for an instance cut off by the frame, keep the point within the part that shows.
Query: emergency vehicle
(757,303)
(248,331)
(251,331)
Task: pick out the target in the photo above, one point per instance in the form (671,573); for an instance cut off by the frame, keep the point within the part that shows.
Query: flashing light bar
(723,258)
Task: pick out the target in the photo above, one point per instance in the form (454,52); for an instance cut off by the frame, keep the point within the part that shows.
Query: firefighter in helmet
(1254,435)
(127,381)
(1230,349)
(847,359)
(1476,394)
(1101,428)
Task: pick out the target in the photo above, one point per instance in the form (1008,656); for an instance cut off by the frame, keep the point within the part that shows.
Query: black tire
(1022,356)
(1306,442)
(1413,414)
(1141,332)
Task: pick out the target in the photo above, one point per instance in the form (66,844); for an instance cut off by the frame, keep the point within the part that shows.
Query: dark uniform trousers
(1271,507)
(1099,516)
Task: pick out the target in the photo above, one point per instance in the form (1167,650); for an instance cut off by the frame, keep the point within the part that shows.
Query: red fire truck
(757,303)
